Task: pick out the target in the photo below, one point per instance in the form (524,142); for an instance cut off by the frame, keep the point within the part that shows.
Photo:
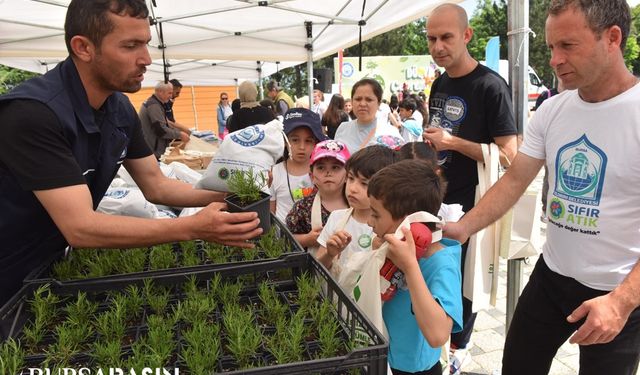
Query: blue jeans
(539,327)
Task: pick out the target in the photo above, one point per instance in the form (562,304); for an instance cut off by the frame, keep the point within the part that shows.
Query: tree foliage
(539,54)
(632,53)
(11,77)
(409,39)
(489,20)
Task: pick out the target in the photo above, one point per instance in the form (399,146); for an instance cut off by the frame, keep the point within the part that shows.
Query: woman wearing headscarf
(250,112)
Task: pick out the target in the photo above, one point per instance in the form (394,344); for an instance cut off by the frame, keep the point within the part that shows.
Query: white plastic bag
(127,202)
(369,284)
(480,282)
(257,147)
(181,172)
(520,231)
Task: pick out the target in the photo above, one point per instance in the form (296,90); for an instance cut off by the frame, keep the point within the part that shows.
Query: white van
(534,86)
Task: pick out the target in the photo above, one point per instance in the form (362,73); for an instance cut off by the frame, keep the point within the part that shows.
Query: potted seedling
(107,353)
(329,338)
(215,253)
(246,186)
(11,357)
(189,254)
(272,244)
(160,340)
(162,257)
(272,307)
(243,336)
(202,347)
(69,340)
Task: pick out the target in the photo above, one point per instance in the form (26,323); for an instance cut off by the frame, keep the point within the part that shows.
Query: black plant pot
(260,206)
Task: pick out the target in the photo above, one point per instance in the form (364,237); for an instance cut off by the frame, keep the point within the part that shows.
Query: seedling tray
(86,265)
(361,348)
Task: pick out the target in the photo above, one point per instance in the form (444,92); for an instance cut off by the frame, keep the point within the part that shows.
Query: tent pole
(309,47)
(260,88)
(518,34)
(193,105)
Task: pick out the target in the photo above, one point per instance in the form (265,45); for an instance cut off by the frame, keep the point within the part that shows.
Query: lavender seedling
(11,357)
(107,354)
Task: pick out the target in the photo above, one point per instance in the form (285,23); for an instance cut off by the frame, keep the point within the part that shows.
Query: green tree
(539,54)
(11,77)
(632,51)
(489,20)
(409,39)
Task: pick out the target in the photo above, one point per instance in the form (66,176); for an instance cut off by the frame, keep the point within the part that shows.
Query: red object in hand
(422,238)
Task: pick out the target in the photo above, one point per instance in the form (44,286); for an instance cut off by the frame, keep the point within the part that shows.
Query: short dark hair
(419,150)
(600,14)
(408,104)
(90,18)
(408,186)
(273,85)
(367,161)
(175,83)
(375,86)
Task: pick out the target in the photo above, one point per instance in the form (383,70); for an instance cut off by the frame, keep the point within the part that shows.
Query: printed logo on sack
(223,173)
(116,193)
(580,171)
(248,137)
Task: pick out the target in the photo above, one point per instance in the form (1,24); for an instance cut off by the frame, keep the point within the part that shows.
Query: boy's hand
(402,252)
(312,236)
(338,242)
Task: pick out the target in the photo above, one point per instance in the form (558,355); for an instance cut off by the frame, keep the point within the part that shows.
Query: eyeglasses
(224,98)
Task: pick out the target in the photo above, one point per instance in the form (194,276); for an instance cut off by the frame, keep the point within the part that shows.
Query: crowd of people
(353,171)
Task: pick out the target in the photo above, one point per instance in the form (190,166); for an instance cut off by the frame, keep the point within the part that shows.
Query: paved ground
(489,331)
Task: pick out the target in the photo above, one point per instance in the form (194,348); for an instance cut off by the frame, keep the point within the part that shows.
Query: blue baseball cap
(297,117)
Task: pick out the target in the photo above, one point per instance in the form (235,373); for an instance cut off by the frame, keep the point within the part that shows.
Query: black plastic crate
(367,352)
(204,255)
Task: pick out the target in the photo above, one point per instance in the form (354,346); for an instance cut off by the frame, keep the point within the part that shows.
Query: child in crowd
(344,225)
(420,318)
(290,178)
(409,128)
(309,215)
(420,150)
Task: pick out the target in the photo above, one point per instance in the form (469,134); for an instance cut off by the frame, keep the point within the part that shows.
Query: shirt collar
(79,99)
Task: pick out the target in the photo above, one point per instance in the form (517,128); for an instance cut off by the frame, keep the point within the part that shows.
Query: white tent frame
(192,42)
(252,52)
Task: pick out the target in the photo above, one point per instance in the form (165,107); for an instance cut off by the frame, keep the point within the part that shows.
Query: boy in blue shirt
(421,315)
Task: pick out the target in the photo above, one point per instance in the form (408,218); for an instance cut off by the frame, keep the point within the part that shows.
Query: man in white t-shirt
(586,286)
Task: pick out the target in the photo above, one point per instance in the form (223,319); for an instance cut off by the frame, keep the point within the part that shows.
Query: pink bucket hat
(330,149)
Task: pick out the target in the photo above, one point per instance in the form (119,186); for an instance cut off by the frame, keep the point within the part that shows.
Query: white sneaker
(458,358)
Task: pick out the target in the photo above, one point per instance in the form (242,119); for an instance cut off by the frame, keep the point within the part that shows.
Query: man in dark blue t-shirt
(71,129)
